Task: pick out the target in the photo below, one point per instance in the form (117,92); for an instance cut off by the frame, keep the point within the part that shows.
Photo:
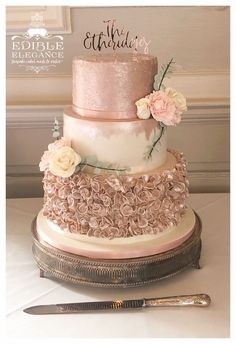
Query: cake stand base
(78,270)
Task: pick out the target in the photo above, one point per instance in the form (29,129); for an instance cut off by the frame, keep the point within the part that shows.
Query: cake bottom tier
(119,248)
(118,206)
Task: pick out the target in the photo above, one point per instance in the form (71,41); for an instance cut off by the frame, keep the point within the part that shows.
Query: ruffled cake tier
(118,206)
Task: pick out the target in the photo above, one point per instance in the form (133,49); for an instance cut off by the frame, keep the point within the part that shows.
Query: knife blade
(201,300)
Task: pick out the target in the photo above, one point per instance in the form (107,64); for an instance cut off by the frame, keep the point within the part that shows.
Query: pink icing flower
(163,109)
(43,165)
(52,147)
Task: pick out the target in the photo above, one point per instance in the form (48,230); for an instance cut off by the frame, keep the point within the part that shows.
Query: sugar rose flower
(63,162)
(43,165)
(58,144)
(163,108)
(143,111)
(52,147)
(178,99)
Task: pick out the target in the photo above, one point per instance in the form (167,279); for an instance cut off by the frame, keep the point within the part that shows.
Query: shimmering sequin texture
(111,206)
(108,85)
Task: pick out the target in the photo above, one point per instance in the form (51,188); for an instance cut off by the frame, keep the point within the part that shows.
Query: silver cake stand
(78,270)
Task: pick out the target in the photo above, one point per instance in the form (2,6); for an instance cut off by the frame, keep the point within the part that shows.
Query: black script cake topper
(115,38)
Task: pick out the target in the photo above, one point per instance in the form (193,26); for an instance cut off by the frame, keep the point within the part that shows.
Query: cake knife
(201,300)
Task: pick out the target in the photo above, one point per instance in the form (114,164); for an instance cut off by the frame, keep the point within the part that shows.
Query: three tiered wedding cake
(112,189)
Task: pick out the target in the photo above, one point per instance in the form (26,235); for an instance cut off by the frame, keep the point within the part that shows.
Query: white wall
(197,38)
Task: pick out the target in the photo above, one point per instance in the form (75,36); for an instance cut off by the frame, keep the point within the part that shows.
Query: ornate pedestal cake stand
(79,270)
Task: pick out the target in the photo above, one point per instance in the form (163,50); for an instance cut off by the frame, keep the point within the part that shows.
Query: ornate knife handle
(201,300)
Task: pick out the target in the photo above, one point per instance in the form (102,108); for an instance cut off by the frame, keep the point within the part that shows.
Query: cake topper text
(115,38)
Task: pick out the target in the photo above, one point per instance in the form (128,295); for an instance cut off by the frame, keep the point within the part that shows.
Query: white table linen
(25,288)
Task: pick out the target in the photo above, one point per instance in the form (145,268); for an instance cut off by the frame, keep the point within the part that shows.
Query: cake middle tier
(125,144)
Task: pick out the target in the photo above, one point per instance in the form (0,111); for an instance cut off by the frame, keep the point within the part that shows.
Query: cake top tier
(108,85)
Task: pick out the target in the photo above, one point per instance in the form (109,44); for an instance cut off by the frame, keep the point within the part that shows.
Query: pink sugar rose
(52,147)
(43,165)
(163,109)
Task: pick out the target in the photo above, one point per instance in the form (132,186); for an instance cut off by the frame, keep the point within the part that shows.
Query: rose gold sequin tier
(118,206)
(108,85)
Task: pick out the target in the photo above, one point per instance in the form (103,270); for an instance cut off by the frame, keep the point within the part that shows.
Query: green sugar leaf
(92,160)
(165,70)
(97,170)
(110,166)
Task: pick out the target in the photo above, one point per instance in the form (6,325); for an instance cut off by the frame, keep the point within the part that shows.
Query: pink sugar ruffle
(111,206)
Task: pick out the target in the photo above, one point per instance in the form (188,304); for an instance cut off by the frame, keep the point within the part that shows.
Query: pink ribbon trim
(104,114)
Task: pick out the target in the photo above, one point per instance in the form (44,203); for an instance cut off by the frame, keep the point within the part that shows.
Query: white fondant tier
(117,248)
(120,142)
